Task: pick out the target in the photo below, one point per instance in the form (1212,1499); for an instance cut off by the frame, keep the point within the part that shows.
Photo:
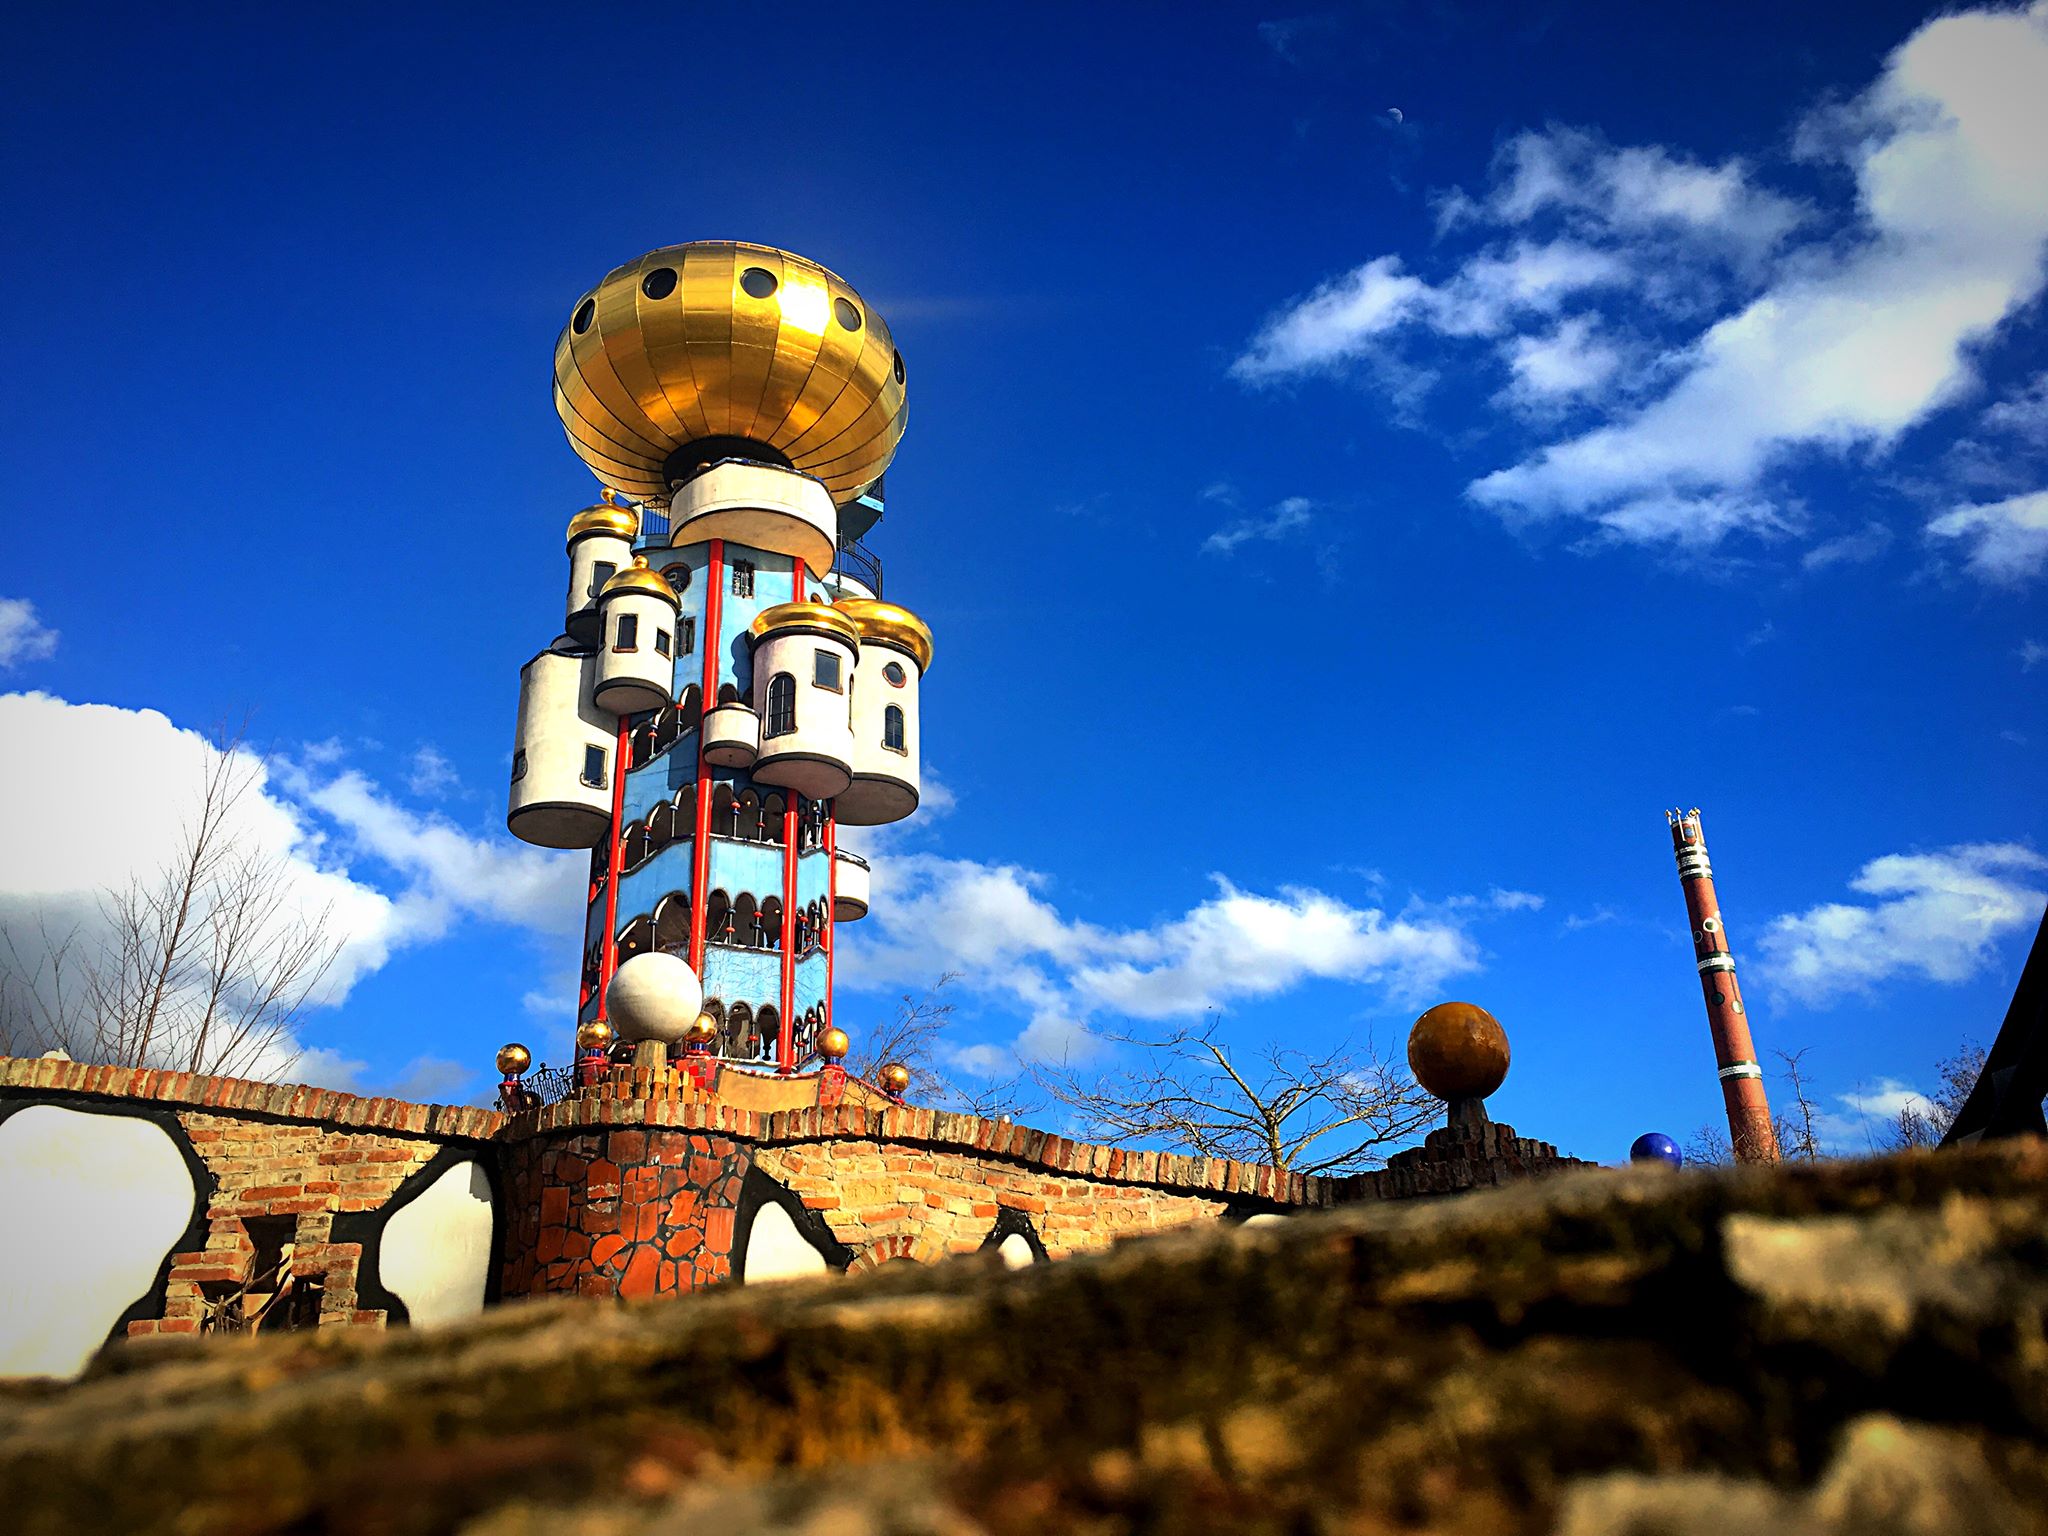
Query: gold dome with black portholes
(728,347)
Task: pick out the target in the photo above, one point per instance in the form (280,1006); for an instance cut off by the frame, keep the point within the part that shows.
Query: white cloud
(95,796)
(432,774)
(1859,548)
(1567,362)
(23,637)
(1854,340)
(2031,654)
(1287,516)
(1886,1101)
(1935,915)
(2007,541)
(995,927)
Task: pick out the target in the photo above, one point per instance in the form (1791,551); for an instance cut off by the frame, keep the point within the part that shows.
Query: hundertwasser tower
(729,688)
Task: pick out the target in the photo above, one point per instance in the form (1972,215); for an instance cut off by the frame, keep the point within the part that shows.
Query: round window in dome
(659,283)
(894,674)
(899,367)
(848,315)
(584,313)
(677,576)
(757,282)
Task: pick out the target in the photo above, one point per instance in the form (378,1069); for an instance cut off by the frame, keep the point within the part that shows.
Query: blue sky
(1344,535)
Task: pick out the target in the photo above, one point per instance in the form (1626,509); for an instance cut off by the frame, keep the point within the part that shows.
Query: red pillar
(785,1044)
(608,955)
(1742,1079)
(700,834)
(831,934)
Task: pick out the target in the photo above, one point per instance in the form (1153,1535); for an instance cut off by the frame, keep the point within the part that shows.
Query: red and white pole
(1742,1080)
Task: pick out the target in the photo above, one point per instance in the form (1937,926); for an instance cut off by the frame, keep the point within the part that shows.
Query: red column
(608,956)
(785,1045)
(700,845)
(831,906)
(1742,1080)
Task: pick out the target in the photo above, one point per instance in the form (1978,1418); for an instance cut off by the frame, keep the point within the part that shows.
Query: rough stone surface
(1835,1348)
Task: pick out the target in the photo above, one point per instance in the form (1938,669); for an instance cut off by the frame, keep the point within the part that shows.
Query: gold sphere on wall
(894,1078)
(833,1044)
(724,342)
(594,1036)
(1458,1051)
(701,1030)
(514,1059)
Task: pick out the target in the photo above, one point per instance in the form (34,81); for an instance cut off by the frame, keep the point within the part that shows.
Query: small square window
(601,573)
(825,670)
(594,760)
(686,636)
(661,642)
(628,637)
(742,578)
(519,765)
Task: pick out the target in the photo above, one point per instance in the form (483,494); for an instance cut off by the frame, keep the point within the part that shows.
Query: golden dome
(638,578)
(1458,1051)
(514,1059)
(806,616)
(833,1044)
(723,339)
(895,625)
(619,522)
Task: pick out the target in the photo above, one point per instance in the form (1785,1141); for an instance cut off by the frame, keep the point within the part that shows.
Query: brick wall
(283,1161)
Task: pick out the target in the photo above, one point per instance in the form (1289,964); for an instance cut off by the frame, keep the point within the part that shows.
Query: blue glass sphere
(1656,1147)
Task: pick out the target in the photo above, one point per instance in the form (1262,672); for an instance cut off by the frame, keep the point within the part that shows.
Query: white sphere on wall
(654,996)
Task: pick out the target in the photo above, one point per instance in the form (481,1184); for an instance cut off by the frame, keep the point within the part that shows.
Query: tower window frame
(894,727)
(779,719)
(743,578)
(661,642)
(828,670)
(596,765)
(686,635)
(518,765)
(626,635)
(600,573)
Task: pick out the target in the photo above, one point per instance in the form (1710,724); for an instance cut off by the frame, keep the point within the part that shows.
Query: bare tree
(204,967)
(1796,1137)
(916,1037)
(1916,1127)
(1293,1110)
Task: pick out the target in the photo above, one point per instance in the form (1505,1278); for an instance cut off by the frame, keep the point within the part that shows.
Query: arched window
(672,923)
(892,728)
(661,826)
(740,1039)
(773,813)
(718,926)
(781,705)
(688,712)
(747,818)
(771,923)
(769,1023)
(636,937)
(724,819)
(746,922)
(637,847)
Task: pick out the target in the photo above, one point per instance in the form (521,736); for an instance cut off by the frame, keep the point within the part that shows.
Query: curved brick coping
(237,1095)
(930,1127)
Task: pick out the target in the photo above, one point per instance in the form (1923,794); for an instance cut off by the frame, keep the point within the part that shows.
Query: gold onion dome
(638,578)
(720,339)
(620,522)
(832,619)
(892,625)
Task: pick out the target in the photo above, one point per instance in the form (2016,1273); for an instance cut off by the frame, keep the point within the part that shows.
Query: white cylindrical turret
(761,506)
(849,886)
(895,649)
(600,546)
(804,656)
(636,668)
(732,735)
(561,753)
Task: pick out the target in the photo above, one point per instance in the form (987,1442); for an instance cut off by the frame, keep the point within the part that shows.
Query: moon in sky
(1396,114)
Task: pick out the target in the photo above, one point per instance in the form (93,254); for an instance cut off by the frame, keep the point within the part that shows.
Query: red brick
(606,1250)
(642,1270)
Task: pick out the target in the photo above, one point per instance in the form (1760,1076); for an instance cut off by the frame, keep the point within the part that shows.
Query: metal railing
(855,559)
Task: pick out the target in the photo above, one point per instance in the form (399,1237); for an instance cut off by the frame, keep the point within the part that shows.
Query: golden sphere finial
(593,1036)
(701,1030)
(894,1078)
(833,1044)
(514,1059)
(1458,1051)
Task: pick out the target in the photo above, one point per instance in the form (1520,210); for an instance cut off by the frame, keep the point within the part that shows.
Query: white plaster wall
(584,555)
(435,1255)
(550,804)
(1015,1251)
(824,719)
(762,506)
(777,1251)
(89,1207)
(642,678)
(872,804)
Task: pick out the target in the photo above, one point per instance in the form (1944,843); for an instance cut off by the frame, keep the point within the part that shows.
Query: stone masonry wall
(273,1153)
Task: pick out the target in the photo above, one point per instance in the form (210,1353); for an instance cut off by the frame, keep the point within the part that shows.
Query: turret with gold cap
(600,545)
(636,667)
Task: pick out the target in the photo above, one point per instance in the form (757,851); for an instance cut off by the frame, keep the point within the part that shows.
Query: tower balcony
(850,877)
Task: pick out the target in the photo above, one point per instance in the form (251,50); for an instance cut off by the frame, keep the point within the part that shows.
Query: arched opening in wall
(768,1024)
(636,938)
(724,816)
(690,709)
(640,747)
(741,1040)
(803,930)
(771,923)
(668,725)
(804,1037)
(716,1009)
(892,728)
(661,827)
(636,846)
(746,920)
(677,576)
(748,818)
(672,923)
(718,918)
(773,810)
(592,962)
(780,715)
(728,693)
